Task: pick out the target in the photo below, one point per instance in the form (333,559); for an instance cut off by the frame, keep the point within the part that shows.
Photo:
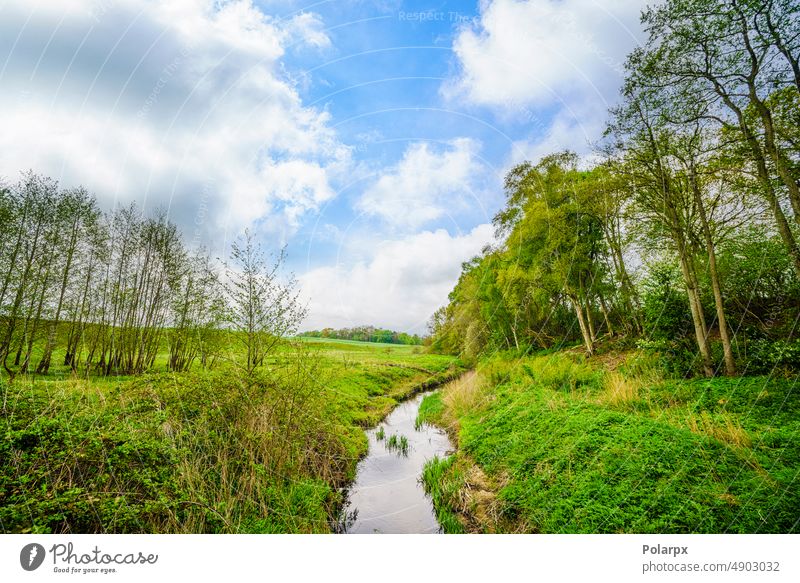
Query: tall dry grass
(463,395)
(722,427)
(620,390)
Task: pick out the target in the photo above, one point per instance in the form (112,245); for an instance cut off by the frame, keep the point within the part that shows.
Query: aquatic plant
(398,443)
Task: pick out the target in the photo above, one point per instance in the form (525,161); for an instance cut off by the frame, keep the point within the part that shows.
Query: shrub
(764,356)
(676,358)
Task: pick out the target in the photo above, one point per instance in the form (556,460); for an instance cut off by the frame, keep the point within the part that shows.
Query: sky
(370,138)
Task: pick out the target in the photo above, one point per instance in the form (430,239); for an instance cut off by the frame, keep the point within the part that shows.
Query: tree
(606,194)
(551,235)
(690,152)
(197,312)
(262,308)
(34,199)
(700,170)
(726,58)
(664,200)
(77,213)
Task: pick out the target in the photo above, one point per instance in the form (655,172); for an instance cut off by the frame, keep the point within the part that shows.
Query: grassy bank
(203,451)
(558,444)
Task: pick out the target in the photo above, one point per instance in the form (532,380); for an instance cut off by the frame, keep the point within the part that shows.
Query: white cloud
(183,104)
(575,129)
(309,30)
(555,64)
(537,51)
(398,287)
(427,183)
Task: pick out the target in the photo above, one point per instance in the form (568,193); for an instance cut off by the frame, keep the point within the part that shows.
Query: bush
(765,356)
(665,308)
(175,453)
(676,358)
(78,470)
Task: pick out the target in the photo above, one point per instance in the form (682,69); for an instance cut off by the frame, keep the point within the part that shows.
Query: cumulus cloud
(425,184)
(399,286)
(534,51)
(557,64)
(183,104)
(575,129)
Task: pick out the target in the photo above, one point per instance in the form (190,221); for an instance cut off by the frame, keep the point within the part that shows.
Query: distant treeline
(365,334)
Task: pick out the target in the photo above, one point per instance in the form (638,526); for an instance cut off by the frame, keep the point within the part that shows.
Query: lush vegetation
(147,387)
(216,450)
(676,246)
(682,235)
(108,290)
(365,334)
(559,443)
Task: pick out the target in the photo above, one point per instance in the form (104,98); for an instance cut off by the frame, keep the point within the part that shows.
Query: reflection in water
(387,496)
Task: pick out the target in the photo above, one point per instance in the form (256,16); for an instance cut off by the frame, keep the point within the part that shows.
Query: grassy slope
(557,445)
(199,451)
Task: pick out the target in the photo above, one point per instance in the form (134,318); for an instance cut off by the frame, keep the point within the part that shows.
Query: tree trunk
(696,308)
(730,365)
(604,309)
(587,338)
(763,175)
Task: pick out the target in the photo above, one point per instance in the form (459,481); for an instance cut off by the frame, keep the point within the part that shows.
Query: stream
(387,495)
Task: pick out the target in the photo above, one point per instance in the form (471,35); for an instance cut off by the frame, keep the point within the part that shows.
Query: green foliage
(366,334)
(550,267)
(762,289)
(441,481)
(677,358)
(665,307)
(204,451)
(430,410)
(683,235)
(714,456)
(767,357)
(69,467)
(560,372)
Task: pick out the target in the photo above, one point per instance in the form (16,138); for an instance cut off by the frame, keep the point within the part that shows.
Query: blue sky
(371,138)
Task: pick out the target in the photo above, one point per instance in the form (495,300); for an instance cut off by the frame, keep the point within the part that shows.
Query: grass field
(556,444)
(202,451)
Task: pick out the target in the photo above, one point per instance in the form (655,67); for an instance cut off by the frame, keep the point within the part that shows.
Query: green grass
(575,449)
(203,451)
(430,410)
(398,443)
(441,481)
(339,341)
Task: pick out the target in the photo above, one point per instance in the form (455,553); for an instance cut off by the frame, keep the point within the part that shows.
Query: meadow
(203,451)
(559,443)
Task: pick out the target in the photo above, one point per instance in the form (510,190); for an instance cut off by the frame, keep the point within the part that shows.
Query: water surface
(387,496)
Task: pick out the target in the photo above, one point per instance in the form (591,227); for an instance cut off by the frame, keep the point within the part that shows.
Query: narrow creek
(387,495)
